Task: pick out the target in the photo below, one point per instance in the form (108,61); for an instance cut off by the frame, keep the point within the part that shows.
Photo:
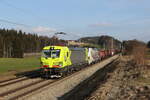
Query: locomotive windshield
(51,53)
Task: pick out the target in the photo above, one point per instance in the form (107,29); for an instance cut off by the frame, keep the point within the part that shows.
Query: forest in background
(105,41)
(15,43)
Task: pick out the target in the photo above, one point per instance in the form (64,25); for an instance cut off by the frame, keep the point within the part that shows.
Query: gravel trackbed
(57,89)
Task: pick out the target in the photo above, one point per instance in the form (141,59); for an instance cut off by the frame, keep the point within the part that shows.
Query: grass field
(18,64)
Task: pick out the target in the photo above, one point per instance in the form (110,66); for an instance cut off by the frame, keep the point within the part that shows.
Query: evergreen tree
(15,43)
(148,44)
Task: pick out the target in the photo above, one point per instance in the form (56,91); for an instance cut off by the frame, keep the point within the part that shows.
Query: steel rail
(20,88)
(30,91)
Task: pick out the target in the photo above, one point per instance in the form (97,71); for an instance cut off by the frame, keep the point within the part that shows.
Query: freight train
(57,61)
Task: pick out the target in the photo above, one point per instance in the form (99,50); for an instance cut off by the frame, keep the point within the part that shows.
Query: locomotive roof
(54,47)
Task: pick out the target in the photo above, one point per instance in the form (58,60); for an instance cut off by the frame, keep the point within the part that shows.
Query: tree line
(104,41)
(15,43)
(148,44)
(137,49)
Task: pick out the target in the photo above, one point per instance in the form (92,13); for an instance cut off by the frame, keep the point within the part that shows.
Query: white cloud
(41,29)
(100,25)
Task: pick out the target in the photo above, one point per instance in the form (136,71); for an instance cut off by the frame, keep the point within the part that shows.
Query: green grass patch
(18,64)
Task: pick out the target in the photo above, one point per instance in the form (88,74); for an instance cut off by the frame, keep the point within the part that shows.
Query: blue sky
(123,19)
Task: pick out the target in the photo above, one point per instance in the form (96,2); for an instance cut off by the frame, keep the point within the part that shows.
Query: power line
(12,6)
(11,22)
(14,23)
(19,9)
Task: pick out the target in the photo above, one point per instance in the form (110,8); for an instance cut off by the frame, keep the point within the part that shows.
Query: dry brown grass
(139,54)
(136,49)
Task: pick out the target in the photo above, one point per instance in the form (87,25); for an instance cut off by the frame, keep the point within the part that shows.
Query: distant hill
(93,40)
(104,41)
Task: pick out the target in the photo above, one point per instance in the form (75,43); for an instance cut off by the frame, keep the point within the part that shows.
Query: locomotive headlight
(60,63)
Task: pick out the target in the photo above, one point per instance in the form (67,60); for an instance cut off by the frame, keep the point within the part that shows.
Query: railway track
(24,90)
(14,88)
(30,88)
(13,81)
(19,88)
(20,92)
(9,82)
(70,83)
(24,77)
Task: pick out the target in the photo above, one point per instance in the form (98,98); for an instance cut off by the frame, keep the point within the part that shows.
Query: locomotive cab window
(46,53)
(51,53)
(55,53)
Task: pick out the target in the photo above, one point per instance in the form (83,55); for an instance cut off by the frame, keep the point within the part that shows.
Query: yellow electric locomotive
(59,60)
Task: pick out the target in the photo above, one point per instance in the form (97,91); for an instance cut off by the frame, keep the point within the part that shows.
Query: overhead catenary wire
(20,9)
(14,23)
(12,6)
(23,11)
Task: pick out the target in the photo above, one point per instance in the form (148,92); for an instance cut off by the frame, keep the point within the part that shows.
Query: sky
(122,19)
